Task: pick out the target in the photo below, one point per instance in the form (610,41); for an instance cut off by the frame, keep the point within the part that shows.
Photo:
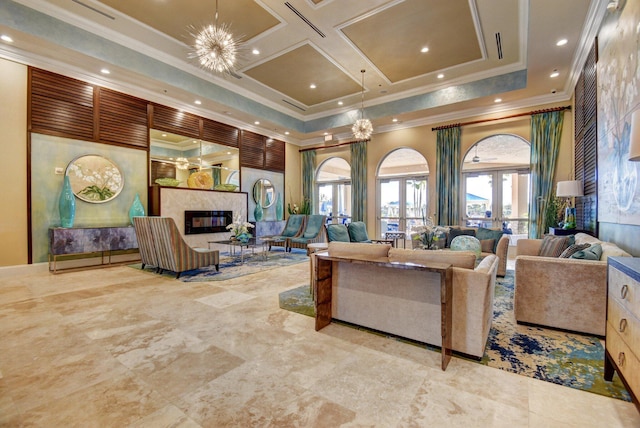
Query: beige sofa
(397,301)
(501,250)
(569,294)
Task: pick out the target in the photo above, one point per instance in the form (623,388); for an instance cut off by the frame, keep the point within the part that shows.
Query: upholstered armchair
(146,245)
(173,253)
(314,231)
(294,227)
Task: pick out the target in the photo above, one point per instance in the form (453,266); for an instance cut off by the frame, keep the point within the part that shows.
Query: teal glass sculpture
(257,213)
(67,204)
(136,210)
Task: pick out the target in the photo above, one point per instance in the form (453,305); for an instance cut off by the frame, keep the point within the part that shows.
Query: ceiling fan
(476,158)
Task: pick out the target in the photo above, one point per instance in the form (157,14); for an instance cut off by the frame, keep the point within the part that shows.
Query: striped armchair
(314,231)
(294,227)
(173,253)
(146,245)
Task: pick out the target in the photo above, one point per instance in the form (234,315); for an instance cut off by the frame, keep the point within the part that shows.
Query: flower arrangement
(303,208)
(429,233)
(240,229)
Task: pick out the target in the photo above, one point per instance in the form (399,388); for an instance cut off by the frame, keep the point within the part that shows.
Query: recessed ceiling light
(340,103)
(561,42)
(164,135)
(195,141)
(286,132)
(198,102)
(228,153)
(312,86)
(497,100)
(105,71)
(554,74)
(424,49)
(440,76)
(255,52)
(6,38)
(256,123)
(326,133)
(394,119)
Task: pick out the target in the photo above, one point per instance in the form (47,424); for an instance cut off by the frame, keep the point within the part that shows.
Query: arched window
(495,184)
(401,191)
(333,190)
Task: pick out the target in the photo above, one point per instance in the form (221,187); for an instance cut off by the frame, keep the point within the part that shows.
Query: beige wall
(13,164)
(292,176)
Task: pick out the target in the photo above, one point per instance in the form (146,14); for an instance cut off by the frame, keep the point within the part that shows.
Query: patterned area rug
(232,267)
(567,359)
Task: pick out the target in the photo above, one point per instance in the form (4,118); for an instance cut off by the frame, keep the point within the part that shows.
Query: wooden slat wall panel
(61,106)
(175,121)
(274,155)
(252,150)
(162,170)
(586,153)
(216,132)
(123,119)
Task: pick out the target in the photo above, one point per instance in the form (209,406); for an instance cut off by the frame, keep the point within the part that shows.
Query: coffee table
(251,244)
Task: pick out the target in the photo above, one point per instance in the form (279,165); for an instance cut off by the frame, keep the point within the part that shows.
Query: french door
(497,199)
(402,204)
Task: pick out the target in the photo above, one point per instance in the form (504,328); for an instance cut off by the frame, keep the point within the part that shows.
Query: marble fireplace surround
(174,201)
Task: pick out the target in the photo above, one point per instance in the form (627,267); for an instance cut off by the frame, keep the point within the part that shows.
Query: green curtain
(308,175)
(546,130)
(217,176)
(448,176)
(359,181)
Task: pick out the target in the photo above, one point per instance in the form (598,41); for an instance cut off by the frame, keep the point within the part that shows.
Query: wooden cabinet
(623,323)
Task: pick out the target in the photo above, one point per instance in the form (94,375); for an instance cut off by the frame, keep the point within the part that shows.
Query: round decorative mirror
(94,178)
(264,193)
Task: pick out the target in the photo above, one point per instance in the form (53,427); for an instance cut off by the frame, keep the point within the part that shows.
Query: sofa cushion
(487,245)
(358,232)
(612,250)
(572,249)
(454,231)
(358,250)
(462,259)
(483,234)
(553,246)
(593,252)
(337,232)
(583,238)
(485,265)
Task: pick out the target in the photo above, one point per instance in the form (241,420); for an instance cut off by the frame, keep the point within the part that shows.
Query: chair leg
(142,266)
(178,275)
(217,268)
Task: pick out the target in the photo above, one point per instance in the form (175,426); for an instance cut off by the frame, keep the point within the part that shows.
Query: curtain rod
(306,149)
(548,110)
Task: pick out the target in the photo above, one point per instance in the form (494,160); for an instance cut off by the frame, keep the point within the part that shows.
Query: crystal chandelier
(215,47)
(362,129)
(182,163)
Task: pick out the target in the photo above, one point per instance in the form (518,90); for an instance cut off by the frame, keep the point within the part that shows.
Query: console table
(325,266)
(83,241)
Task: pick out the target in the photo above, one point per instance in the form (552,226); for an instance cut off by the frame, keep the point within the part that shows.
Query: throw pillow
(487,245)
(572,249)
(337,232)
(483,233)
(553,246)
(453,232)
(358,231)
(594,252)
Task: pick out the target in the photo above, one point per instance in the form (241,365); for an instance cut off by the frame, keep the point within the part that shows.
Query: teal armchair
(294,227)
(314,231)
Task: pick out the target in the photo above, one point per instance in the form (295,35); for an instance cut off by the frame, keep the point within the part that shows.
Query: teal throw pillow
(338,232)
(483,234)
(358,231)
(594,252)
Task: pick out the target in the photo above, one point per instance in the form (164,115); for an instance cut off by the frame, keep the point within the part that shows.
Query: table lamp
(569,189)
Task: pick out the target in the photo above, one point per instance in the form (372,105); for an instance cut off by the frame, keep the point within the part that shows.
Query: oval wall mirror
(264,193)
(94,178)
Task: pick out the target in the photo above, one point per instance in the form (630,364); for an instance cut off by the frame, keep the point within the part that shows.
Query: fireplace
(196,222)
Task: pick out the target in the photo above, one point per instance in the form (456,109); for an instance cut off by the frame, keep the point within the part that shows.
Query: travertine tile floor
(117,347)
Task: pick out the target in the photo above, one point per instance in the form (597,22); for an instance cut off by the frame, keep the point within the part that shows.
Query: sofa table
(323,293)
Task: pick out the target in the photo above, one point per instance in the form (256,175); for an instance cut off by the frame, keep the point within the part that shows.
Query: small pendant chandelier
(215,47)
(363,128)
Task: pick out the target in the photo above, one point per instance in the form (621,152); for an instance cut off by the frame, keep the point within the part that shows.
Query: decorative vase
(279,208)
(243,237)
(257,213)
(136,210)
(67,204)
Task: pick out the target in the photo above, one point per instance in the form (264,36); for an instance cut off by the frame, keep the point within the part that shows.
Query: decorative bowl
(167,181)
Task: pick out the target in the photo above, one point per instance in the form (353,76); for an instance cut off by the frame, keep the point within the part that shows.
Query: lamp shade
(568,189)
(634,141)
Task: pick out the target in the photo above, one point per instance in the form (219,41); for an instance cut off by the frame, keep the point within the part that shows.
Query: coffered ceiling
(424,60)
